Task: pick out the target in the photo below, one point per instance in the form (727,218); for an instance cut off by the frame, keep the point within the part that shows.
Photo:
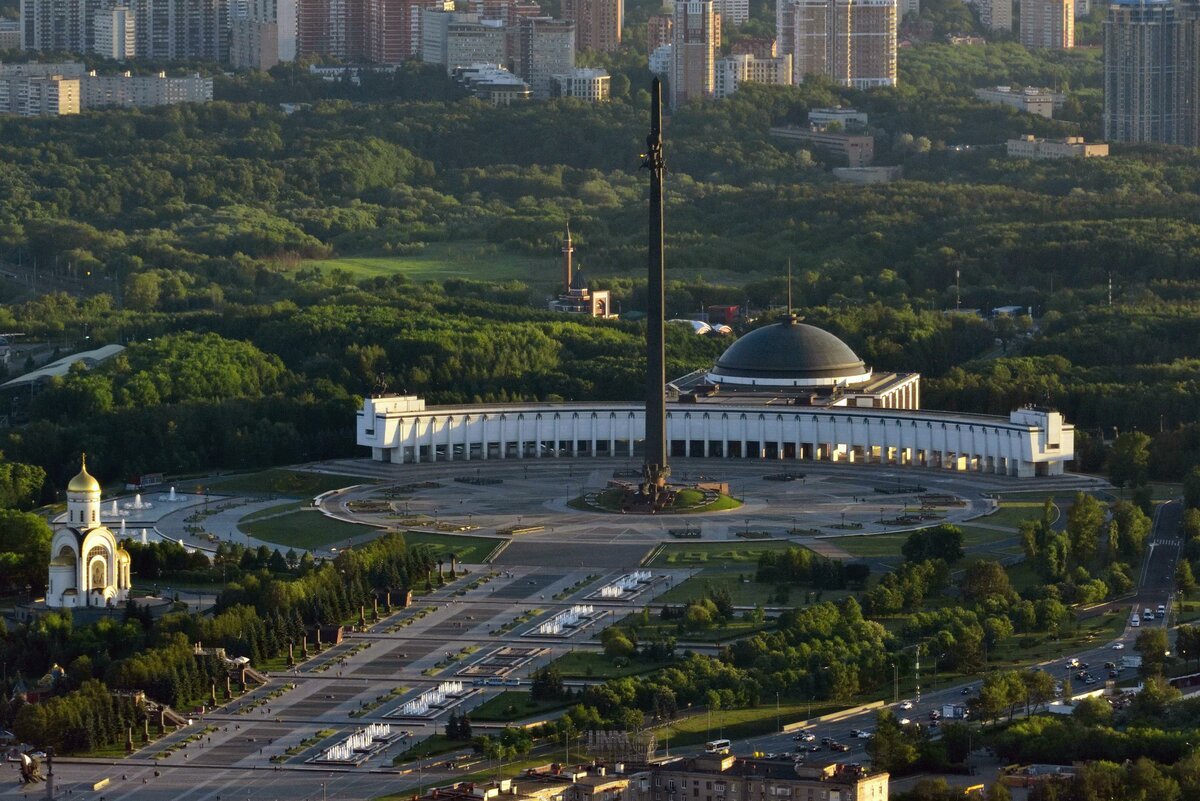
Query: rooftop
(60,367)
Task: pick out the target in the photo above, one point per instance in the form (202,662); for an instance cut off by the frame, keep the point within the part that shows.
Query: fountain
(566,619)
(138,503)
(430,701)
(361,742)
(116,510)
(171,497)
(143,533)
(122,528)
(625,584)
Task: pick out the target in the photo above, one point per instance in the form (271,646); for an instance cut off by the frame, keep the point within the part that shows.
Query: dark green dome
(787,352)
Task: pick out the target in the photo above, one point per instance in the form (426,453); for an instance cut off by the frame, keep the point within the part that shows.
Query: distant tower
(567,250)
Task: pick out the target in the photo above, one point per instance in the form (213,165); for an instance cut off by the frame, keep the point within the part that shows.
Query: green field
(292,483)
(272,511)
(596,665)
(737,724)
(715,554)
(306,529)
(744,593)
(510,705)
(884,546)
(733,630)
(472,550)
(441,260)
(1013,513)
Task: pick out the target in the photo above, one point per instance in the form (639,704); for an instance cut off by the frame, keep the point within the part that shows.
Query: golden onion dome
(84,482)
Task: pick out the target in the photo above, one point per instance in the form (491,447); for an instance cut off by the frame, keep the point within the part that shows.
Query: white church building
(88,568)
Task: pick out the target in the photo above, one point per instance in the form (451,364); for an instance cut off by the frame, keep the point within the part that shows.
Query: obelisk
(655,470)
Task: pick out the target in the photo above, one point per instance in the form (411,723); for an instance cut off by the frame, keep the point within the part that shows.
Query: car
(814,748)
(934,714)
(965,691)
(1114,674)
(838,747)
(1118,646)
(1109,665)
(906,705)
(933,724)
(1090,680)
(805,737)
(826,740)
(860,733)
(771,755)
(905,721)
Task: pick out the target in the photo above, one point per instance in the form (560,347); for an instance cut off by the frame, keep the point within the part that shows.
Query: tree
(1191,488)
(943,542)
(1184,580)
(1083,527)
(1039,689)
(1129,460)
(890,748)
(618,643)
(24,550)
(1093,712)
(1152,645)
(983,579)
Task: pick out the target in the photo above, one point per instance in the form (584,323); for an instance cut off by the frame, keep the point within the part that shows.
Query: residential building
(1048,24)
(334,29)
(474,41)
(58,25)
(142,91)
(597,23)
(866,176)
(434,26)
(594,85)
(1187,84)
(262,33)
(114,33)
(658,32)
(507,11)
(857,149)
(1031,100)
(696,39)
(909,7)
(757,46)
(10,35)
(1141,73)
(43,69)
(393,28)
(995,15)
(540,48)
(39,95)
(732,71)
(493,83)
(182,29)
(719,777)
(661,60)
(733,12)
(851,41)
(1073,147)
(847,118)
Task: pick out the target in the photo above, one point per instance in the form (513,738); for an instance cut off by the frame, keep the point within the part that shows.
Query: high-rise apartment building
(540,48)
(658,32)
(696,39)
(507,11)
(597,23)
(1048,24)
(851,41)
(262,33)
(393,28)
(1142,86)
(334,29)
(58,25)
(474,41)
(1187,84)
(995,15)
(733,71)
(114,33)
(733,12)
(757,46)
(182,29)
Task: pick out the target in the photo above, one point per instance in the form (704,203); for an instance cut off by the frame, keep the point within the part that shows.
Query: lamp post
(778,728)
(895,683)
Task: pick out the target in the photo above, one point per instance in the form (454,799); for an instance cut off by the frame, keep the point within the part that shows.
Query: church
(88,567)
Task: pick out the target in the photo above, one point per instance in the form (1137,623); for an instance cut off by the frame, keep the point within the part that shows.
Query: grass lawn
(744,593)
(276,481)
(305,530)
(974,537)
(1013,513)
(510,705)
(733,630)
(472,550)
(597,665)
(870,546)
(274,510)
(441,260)
(1023,577)
(1022,648)
(709,554)
(434,744)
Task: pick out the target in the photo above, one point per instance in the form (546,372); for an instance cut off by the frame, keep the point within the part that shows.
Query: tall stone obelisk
(655,469)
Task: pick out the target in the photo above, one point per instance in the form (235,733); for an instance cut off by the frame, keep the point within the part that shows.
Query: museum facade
(785,391)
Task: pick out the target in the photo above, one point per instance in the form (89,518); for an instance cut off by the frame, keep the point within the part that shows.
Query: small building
(661,58)
(858,150)
(723,315)
(1073,147)
(577,297)
(10,34)
(733,71)
(723,777)
(848,118)
(864,176)
(493,83)
(60,367)
(593,85)
(1031,100)
(88,567)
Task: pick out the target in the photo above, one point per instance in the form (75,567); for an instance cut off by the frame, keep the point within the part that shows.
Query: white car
(862,735)
(1118,646)
(906,705)
(805,737)
(905,721)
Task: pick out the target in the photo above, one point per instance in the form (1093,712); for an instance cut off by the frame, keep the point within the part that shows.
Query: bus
(717,747)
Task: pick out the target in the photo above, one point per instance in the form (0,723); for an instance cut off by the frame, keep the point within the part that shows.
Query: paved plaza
(563,560)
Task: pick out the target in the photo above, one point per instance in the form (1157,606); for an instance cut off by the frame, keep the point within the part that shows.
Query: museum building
(787,391)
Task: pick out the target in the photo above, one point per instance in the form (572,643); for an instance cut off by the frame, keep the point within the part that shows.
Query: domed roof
(84,482)
(786,353)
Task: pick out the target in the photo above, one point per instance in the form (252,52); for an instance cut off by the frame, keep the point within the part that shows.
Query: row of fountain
(566,619)
(119,509)
(429,700)
(359,742)
(626,583)
(144,534)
